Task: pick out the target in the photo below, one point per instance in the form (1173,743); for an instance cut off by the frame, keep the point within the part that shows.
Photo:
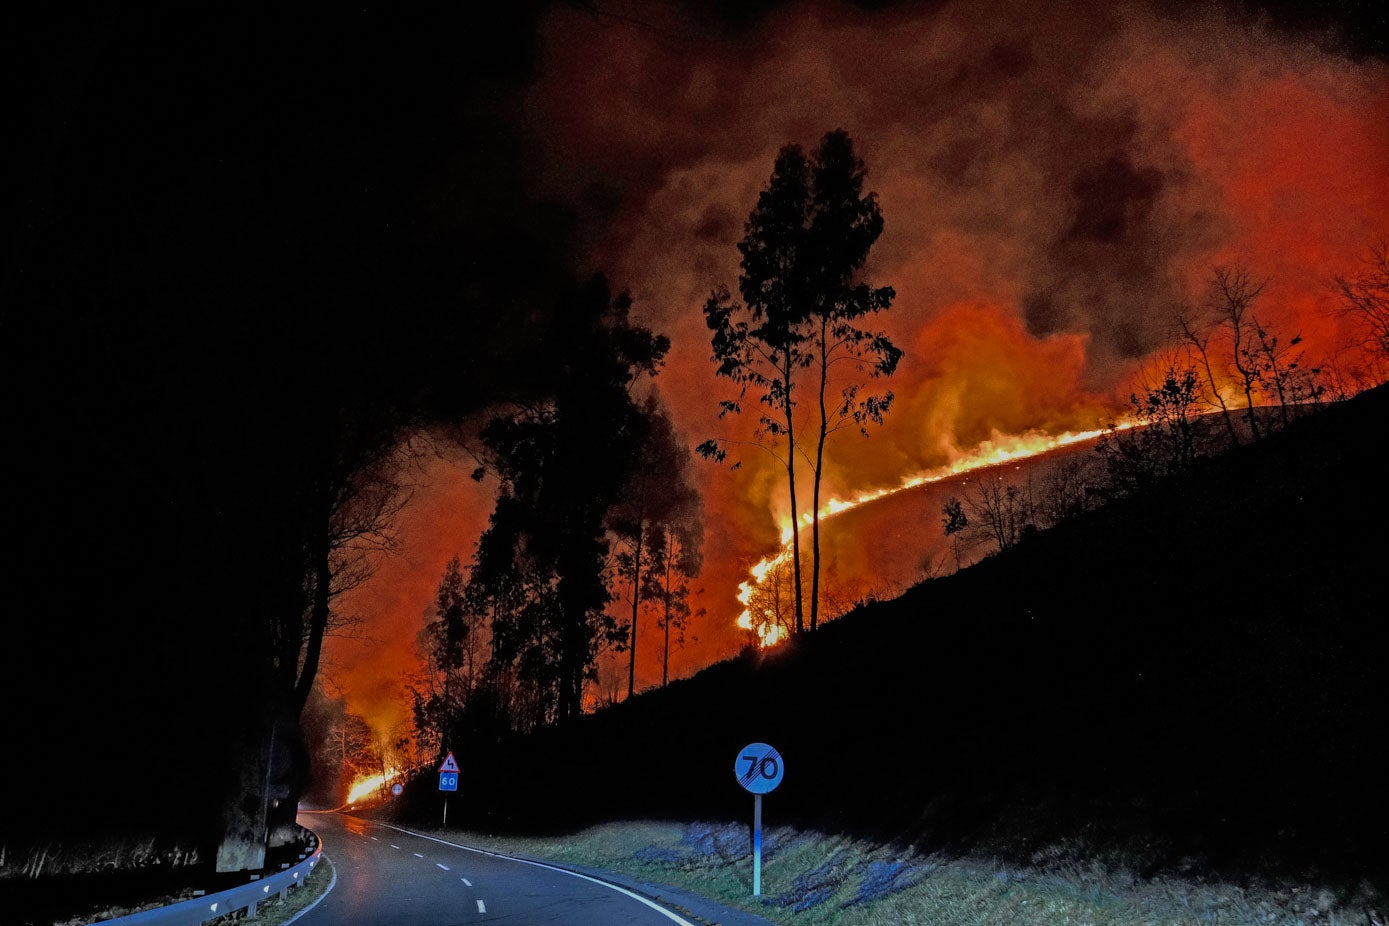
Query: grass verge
(812,879)
(277,912)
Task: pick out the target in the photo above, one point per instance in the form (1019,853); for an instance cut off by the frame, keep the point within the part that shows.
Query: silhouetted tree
(1235,348)
(339,744)
(771,601)
(1282,374)
(955,521)
(224,393)
(658,506)
(1232,295)
(803,246)
(676,556)
(448,646)
(1002,512)
(843,225)
(1198,337)
(1068,489)
(1169,438)
(1364,300)
(562,464)
(760,345)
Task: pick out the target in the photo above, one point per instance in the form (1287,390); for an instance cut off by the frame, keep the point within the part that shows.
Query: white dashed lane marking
(482,908)
(417,855)
(394,846)
(445,867)
(466,881)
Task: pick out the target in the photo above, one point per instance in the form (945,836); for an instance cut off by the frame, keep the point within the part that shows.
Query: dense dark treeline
(248,252)
(1187,676)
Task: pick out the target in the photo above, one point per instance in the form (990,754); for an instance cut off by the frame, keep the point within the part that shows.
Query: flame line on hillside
(365,785)
(988,453)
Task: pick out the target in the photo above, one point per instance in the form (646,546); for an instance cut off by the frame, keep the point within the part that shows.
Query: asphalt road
(389,877)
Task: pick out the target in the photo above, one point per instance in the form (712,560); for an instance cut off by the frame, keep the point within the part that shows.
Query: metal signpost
(758,769)
(448,781)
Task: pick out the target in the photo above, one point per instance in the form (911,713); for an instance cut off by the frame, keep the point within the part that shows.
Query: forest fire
(1051,203)
(532,381)
(1002,449)
(1016,319)
(365,786)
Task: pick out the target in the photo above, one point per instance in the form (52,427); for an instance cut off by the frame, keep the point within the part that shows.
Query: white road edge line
(445,867)
(332,883)
(481,907)
(564,871)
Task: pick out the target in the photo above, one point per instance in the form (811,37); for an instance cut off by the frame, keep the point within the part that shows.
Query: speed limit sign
(758,768)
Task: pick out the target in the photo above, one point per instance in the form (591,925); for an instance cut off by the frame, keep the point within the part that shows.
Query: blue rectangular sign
(448,781)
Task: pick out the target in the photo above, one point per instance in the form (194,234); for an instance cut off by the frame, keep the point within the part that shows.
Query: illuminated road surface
(387,877)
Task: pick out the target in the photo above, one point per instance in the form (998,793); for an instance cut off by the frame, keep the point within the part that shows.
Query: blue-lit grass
(812,879)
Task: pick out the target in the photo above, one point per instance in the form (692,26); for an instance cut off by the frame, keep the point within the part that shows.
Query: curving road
(389,877)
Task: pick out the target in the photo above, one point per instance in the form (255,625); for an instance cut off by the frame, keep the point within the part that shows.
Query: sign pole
(758,768)
(448,781)
(756,845)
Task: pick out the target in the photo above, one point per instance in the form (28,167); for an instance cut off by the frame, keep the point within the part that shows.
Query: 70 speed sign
(758,768)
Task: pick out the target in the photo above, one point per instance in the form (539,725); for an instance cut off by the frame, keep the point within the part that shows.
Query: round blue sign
(758,768)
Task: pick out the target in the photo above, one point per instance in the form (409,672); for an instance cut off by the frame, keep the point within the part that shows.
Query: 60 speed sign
(758,768)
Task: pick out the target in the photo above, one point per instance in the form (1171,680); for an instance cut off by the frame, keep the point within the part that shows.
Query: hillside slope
(1193,678)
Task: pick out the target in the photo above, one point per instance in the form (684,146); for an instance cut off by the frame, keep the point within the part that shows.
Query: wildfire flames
(1056,182)
(365,786)
(1003,449)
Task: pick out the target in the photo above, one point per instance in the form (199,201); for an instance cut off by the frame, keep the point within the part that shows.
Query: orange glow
(1003,449)
(367,786)
(1057,182)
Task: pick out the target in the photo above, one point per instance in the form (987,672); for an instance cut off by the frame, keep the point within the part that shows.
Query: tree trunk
(636,601)
(795,516)
(819,471)
(318,618)
(1215,389)
(245,813)
(665,659)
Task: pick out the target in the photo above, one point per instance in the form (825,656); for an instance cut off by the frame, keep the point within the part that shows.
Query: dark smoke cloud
(1056,179)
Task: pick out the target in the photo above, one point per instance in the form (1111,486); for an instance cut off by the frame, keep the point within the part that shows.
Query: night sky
(407,192)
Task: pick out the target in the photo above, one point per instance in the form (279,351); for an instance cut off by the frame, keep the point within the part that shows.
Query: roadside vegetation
(810,878)
(72,882)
